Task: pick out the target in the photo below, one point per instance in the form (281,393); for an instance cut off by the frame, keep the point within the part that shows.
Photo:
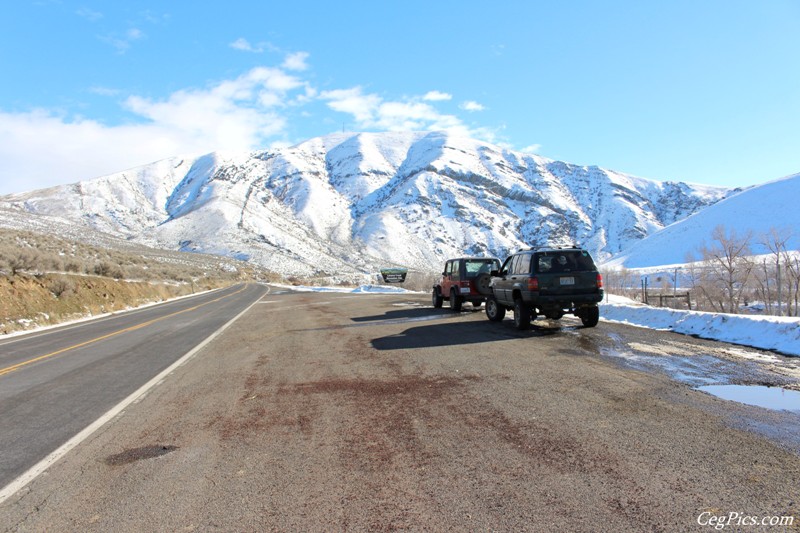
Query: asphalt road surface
(55,383)
(344,412)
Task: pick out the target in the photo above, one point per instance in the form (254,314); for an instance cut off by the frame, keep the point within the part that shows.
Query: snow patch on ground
(781,334)
(361,289)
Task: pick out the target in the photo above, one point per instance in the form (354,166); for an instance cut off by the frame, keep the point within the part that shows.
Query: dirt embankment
(30,301)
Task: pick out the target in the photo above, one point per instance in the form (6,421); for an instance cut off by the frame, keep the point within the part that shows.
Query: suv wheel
(494,311)
(522,315)
(436,298)
(591,316)
(455,301)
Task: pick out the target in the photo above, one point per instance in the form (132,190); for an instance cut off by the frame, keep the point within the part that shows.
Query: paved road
(332,412)
(55,383)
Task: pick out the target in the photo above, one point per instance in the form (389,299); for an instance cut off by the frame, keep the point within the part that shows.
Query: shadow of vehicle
(414,313)
(462,333)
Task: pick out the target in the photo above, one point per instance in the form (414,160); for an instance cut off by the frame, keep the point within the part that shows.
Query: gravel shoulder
(376,412)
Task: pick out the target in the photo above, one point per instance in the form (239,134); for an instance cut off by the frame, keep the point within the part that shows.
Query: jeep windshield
(476,267)
(563,261)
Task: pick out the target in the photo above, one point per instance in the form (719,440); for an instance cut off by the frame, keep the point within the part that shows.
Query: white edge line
(12,488)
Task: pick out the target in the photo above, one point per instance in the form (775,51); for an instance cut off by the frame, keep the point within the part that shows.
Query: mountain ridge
(346,204)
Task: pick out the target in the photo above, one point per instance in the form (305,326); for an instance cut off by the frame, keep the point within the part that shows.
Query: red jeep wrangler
(465,279)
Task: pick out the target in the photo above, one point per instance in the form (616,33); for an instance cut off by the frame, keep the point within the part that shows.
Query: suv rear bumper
(562,300)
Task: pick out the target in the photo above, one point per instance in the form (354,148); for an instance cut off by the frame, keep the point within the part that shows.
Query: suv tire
(590,317)
(522,315)
(494,311)
(436,298)
(455,301)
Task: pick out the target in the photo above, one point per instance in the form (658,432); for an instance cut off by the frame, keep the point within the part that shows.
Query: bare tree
(775,241)
(620,281)
(728,269)
(792,263)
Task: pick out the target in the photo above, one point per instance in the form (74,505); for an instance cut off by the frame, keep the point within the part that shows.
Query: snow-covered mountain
(346,204)
(756,211)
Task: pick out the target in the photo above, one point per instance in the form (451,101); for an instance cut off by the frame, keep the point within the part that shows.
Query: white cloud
(104,91)
(352,101)
(89,14)
(370,111)
(233,115)
(471,106)
(296,61)
(41,148)
(436,96)
(124,42)
(532,149)
(244,45)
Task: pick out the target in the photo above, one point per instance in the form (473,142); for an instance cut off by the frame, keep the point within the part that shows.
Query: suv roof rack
(547,247)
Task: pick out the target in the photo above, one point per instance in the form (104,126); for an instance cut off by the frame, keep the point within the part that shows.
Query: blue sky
(699,91)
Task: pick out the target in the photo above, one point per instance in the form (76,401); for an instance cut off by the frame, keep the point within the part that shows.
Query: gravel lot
(336,412)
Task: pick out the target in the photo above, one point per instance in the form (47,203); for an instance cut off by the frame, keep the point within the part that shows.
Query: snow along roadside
(781,334)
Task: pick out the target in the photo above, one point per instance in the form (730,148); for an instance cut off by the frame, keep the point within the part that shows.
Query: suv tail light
(599,281)
(533,284)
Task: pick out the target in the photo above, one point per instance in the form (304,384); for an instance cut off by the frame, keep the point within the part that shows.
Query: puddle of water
(770,397)
(694,371)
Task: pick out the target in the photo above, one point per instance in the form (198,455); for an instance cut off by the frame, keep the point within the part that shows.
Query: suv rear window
(564,261)
(475,267)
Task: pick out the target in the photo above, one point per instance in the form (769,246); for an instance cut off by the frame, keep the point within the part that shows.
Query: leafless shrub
(420,281)
(109,270)
(24,259)
(73,265)
(61,286)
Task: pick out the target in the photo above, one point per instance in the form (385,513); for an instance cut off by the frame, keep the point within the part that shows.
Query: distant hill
(756,210)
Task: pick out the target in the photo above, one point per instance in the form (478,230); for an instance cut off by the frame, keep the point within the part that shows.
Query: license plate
(568,281)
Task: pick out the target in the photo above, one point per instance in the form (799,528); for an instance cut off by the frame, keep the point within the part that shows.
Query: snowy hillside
(346,204)
(756,210)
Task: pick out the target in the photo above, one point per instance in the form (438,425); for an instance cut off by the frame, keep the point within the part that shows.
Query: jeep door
(449,277)
(520,272)
(502,284)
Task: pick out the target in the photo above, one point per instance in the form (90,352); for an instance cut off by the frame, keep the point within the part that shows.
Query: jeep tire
(494,311)
(455,301)
(436,298)
(522,315)
(590,316)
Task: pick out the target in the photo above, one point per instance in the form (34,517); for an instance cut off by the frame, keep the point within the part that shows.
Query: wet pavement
(765,386)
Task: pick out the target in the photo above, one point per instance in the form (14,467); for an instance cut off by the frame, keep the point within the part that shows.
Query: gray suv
(548,281)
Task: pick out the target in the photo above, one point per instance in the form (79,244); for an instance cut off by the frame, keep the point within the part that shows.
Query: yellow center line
(12,368)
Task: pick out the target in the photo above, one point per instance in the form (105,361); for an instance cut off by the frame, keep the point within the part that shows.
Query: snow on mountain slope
(756,210)
(346,204)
